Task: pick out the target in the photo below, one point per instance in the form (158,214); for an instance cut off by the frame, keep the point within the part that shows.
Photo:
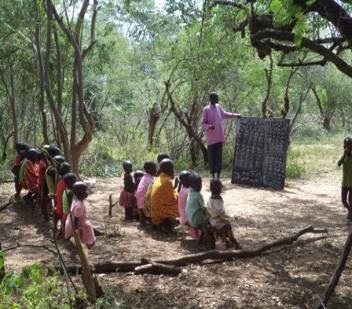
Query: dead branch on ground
(217,255)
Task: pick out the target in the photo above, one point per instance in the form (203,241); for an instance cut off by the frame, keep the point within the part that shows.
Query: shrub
(31,289)
(294,169)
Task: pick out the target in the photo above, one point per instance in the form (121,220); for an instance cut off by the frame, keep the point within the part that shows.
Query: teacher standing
(213,116)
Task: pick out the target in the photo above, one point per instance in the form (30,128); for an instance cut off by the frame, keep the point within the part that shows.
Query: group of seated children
(53,186)
(154,198)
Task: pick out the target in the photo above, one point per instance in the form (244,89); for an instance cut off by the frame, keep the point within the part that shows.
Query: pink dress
(84,226)
(182,199)
(142,189)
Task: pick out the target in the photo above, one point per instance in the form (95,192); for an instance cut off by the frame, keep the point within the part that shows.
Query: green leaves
(32,289)
(275,6)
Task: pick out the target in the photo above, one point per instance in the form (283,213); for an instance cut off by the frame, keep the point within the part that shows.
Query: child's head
(32,155)
(215,186)
(347,144)
(213,97)
(127,166)
(167,167)
(138,176)
(162,156)
(195,182)
(184,177)
(70,179)
(53,151)
(150,167)
(21,147)
(80,190)
(59,159)
(65,168)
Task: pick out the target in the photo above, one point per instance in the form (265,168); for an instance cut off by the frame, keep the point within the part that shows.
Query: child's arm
(129,184)
(69,199)
(340,162)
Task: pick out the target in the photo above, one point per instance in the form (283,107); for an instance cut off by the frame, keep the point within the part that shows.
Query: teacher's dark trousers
(215,158)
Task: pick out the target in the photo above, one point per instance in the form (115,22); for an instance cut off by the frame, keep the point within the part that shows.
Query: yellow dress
(163,200)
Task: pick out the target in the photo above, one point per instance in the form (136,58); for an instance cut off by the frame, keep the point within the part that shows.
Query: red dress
(31,176)
(60,187)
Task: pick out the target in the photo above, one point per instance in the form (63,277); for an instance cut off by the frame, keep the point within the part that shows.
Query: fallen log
(157,269)
(105,268)
(323,301)
(218,255)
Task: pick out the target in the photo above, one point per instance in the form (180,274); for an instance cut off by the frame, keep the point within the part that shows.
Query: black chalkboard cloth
(261,152)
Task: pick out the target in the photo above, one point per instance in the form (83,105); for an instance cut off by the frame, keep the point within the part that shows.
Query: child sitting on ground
(147,196)
(147,179)
(164,209)
(126,199)
(183,189)
(81,222)
(346,189)
(196,212)
(183,194)
(218,217)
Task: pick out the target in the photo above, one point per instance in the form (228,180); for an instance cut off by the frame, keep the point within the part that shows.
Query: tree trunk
(327,122)
(192,133)
(12,99)
(154,117)
(41,79)
(59,124)
(72,148)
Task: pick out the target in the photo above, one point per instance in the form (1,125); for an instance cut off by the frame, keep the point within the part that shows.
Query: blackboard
(261,152)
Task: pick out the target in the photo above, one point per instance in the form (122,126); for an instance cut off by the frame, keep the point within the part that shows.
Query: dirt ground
(292,277)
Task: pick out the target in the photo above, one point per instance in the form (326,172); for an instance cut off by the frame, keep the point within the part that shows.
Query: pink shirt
(84,226)
(214,115)
(182,199)
(142,189)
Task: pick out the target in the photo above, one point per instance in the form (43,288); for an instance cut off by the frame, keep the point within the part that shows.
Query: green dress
(347,172)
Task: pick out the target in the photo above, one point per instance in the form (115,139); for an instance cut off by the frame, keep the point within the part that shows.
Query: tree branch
(228,3)
(217,255)
(258,37)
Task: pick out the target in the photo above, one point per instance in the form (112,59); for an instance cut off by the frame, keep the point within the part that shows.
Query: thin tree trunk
(286,107)
(190,130)
(41,78)
(85,118)
(47,81)
(12,99)
(301,100)
(268,74)
(154,117)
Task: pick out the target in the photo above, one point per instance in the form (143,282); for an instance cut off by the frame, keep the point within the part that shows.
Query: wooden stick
(157,269)
(111,204)
(219,255)
(87,279)
(5,206)
(20,245)
(334,280)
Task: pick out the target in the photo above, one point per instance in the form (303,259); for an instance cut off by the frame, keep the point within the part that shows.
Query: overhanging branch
(259,39)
